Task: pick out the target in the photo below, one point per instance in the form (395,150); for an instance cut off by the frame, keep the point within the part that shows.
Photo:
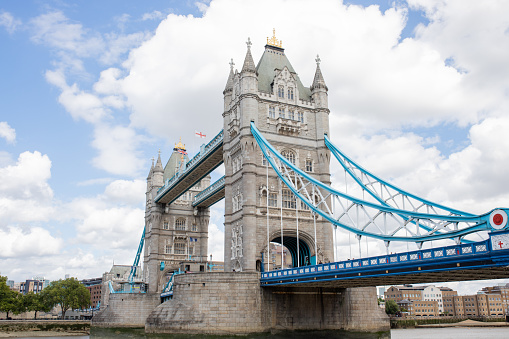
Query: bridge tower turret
(293,118)
(174,232)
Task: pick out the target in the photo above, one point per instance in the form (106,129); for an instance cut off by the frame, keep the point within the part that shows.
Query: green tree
(391,307)
(68,293)
(8,298)
(36,303)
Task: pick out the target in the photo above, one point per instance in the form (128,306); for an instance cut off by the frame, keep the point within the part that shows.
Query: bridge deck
(476,261)
(209,158)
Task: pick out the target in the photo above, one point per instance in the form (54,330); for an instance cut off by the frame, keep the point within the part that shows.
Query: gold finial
(273,41)
(180,146)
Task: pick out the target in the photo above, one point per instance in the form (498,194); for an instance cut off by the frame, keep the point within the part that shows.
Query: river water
(411,333)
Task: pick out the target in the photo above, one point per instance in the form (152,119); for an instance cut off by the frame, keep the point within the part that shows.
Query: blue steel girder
(373,219)
(209,158)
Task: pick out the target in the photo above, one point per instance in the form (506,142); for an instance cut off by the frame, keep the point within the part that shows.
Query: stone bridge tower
(293,118)
(174,232)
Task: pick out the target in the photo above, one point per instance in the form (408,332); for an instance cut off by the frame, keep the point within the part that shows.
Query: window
(167,249)
(180,248)
(180,224)
(291,114)
(195,228)
(288,199)
(300,117)
(166,225)
(281,92)
(309,165)
(264,161)
(273,199)
(281,112)
(289,155)
(290,93)
(272,112)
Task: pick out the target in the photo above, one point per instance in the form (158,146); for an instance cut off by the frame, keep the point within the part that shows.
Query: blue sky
(91,90)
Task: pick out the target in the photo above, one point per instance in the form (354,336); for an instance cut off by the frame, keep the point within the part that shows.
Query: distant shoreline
(43,328)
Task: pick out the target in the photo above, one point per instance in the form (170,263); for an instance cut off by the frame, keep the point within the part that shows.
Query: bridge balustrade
(203,195)
(386,261)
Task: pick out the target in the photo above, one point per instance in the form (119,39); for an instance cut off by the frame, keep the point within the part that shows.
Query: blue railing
(396,259)
(191,164)
(206,193)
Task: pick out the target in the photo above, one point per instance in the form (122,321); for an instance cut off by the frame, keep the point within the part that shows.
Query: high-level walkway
(207,160)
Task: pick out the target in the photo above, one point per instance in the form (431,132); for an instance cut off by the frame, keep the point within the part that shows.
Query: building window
(291,114)
(281,92)
(272,112)
(180,248)
(288,199)
(264,160)
(166,225)
(167,249)
(309,165)
(289,155)
(290,93)
(281,112)
(180,224)
(303,206)
(194,228)
(272,199)
(300,117)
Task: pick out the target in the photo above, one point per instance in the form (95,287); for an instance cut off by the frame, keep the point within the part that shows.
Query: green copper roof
(274,58)
(172,165)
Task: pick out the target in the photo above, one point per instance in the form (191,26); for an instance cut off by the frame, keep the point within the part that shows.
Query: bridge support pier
(234,303)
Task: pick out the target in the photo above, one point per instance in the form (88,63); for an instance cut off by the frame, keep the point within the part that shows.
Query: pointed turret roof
(177,158)
(318,81)
(249,65)
(229,82)
(159,165)
(274,59)
(151,169)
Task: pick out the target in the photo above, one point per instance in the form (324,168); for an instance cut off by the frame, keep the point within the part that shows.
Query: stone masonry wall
(220,303)
(234,303)
(126,310)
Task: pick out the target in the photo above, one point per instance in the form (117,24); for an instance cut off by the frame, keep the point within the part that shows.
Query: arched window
(272,112)
(290,93)
(281,112)
(281,91)
(291,114)
(309,165)
(180,224)
(180,248)
(289,155)
(288,199)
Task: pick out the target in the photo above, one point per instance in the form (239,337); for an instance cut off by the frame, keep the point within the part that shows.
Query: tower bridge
(276,149)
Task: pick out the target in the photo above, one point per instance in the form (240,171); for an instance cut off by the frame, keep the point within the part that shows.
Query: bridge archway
(304,249)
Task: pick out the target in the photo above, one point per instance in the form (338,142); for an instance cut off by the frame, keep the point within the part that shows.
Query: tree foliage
(9,300)
(68,293)
(36,303)
(391,307)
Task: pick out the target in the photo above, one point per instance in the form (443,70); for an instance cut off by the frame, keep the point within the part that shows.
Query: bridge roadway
(207,160)
(475,261)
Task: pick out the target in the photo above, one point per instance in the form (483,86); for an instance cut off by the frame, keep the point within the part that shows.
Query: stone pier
(234,303)
(126,310)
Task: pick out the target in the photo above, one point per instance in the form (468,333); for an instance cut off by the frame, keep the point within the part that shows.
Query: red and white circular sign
(498,219)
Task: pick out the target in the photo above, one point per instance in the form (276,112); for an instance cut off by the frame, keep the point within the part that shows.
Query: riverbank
(43,328)
(447,322)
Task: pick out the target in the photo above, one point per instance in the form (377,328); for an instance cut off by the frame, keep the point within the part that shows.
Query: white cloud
(56,30)
(119,44)
(9,22)
(7,132)
(216,243)
(125,191)
(118,150)
(154,15)
(35,242)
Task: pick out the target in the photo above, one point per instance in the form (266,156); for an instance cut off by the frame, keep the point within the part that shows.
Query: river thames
(411,333)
